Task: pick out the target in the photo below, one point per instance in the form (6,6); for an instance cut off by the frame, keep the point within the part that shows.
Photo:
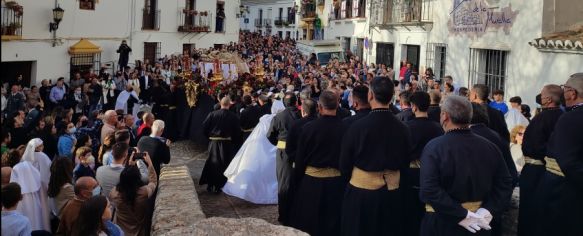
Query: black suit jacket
(158,151)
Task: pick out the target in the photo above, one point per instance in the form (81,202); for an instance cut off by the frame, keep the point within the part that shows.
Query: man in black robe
(309,113)
(562,183)
(478,126)
(464,180)
(422,131)
(264,104)
(534,149)
(406,113)
(221,127)
(277,134)
(317,202)
(249,117)
(360,104)
(374,149)
(479,94)
(434,111)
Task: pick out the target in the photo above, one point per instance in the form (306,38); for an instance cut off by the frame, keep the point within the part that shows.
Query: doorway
(412,56)
(11,70)
(385,54)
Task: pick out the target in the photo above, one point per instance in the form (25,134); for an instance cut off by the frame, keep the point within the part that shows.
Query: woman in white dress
(251,174)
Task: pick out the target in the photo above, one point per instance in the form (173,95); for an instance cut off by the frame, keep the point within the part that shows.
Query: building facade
(152,28)
(270,17)
(505,44)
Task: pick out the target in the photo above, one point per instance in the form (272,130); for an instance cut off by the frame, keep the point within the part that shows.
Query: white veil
(30,150)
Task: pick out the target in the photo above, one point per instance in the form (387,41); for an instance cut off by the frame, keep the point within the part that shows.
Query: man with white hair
(458,183)
(157,146)
(109,124)
(561,184)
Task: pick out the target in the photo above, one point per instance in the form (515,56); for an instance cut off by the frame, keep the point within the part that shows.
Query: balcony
(281,22)
(267,23)
(308,11)
(396,13)
(194,21)
(150,19)
(258,23)
(12,21)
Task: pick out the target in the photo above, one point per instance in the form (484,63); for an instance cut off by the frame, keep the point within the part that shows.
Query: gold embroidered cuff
(553,167)
(470,206)
(532,161)
(280,144)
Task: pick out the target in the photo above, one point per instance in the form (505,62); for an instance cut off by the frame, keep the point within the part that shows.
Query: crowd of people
(360,149)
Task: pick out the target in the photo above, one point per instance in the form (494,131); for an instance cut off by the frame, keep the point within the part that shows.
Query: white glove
(487,218)
(471,222)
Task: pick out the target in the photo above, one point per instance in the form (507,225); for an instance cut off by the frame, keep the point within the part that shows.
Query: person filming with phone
(109,175)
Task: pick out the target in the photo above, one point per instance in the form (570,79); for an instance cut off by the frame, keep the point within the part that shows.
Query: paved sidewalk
(216,205)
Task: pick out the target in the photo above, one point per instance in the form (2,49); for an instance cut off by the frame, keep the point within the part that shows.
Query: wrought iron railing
(281,21)
(309,10)
(151,19)
(259,23)
(404,11)
(12,20)
(267,23)
(194,21)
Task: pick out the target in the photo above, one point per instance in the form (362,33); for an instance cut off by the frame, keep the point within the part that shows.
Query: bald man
(561,184)
(534,148)
(85,188)
(6,172)
(109,124)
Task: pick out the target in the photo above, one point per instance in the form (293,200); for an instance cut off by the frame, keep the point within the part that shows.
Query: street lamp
(57,17)
(53,26)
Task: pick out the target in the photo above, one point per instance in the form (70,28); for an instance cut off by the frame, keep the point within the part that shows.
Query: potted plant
(11,29)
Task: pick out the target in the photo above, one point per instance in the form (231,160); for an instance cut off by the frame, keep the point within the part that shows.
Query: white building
(270,17)
(475,41)
(152,29)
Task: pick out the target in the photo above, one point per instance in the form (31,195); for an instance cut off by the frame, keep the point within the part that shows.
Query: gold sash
(280,144)
(532,161)
(375,180)
(327,172)
(553,167)
(247,130)
(220,138)
(470,206)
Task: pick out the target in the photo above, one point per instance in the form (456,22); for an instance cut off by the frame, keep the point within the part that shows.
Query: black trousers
(283,172)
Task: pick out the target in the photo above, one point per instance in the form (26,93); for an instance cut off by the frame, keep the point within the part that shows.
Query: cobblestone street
(216,205)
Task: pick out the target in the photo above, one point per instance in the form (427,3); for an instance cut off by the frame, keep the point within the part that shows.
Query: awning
(84,46)
(490,45)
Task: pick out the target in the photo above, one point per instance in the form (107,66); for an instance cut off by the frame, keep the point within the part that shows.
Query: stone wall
(177,206)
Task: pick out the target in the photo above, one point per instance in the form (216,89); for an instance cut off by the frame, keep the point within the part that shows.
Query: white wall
(253,14)
(528,68)
(106,26)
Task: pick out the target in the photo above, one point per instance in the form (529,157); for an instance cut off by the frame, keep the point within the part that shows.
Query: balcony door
(191,6)
(150,14)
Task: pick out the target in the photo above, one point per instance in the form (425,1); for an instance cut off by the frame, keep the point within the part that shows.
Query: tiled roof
(570,41)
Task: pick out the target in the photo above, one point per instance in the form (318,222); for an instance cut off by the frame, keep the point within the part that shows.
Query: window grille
(488,67)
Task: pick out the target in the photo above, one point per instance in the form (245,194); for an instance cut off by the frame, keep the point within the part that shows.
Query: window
(280,34)
(188,47)
(87,4)
(436,58)
(288,34)
(359,47)
(291,16)
(488,67)
(152,51)
(151,15)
